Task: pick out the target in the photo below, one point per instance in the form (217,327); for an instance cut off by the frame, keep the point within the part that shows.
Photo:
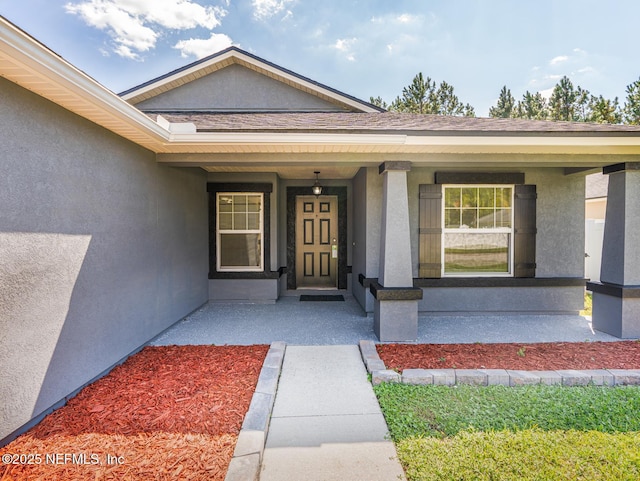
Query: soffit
(30,64)
(327,171)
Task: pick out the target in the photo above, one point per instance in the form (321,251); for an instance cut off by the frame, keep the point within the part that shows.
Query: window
(239,231)
(477,234)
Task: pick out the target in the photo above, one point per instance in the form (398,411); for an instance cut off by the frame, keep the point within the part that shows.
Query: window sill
(245,275)
(501,282)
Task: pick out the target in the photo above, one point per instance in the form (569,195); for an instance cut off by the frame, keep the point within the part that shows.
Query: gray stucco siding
(559,244)
(559,218)
(248,290)
(560,222)
(359,265)
(236,88)
(502,300)
(101,249)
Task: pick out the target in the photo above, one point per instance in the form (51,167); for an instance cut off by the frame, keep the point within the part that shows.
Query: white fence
(594,233)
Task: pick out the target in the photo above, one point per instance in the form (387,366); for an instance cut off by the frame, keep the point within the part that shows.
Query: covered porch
(334,323)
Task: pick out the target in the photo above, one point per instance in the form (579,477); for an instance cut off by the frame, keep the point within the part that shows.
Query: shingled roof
(383,122)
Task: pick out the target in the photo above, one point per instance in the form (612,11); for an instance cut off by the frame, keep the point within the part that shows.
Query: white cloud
(345,45)
(559,59)
(126,52)
(201,47)
(264,9)
(546,93)
(406,18)
(135,25)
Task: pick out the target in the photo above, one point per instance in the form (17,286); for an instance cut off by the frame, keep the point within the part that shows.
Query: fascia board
(287,138)
(402,139)
(526,140)
(139,92)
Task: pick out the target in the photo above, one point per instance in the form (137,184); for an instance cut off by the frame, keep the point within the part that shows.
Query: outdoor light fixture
(317,188)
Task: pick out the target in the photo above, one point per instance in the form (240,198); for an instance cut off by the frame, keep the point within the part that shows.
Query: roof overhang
(32,65)
(257,143)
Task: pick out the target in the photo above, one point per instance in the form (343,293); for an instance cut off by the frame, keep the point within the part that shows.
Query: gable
(237,88)
(258,86)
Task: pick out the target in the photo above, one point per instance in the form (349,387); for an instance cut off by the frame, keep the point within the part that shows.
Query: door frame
(341,194)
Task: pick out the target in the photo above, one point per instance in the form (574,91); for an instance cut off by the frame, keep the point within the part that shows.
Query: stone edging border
(488,377)
(247,457)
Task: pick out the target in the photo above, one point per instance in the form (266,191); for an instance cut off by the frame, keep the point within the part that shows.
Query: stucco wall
(559,245)
(236,88)
(559,217)
(101,249)
(359,235)
(367,188)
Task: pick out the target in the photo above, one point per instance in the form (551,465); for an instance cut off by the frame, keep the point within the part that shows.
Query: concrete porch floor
(338,323)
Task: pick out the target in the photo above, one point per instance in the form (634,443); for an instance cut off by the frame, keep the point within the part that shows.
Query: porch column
(616,298)
(396,300)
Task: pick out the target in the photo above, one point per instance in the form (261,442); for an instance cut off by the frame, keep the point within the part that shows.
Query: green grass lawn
(588,305)
(523,433)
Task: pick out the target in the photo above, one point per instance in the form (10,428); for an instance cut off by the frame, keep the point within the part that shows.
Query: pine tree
(378,102)
(504,107)
(532,107)
(631,109)
(562,104)
(468,111)
(418,97)
(604,111)
(422,97)
(582,111)
(447,103)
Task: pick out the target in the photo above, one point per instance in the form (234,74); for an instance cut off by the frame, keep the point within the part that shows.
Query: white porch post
(396,300)
(616,298)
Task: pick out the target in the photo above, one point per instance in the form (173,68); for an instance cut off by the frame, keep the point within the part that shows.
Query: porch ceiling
(331,171)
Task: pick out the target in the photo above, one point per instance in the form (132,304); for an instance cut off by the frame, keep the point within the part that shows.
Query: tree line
(567,103)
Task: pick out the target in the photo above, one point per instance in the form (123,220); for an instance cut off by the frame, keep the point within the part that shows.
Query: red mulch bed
(531,357)
(169,412)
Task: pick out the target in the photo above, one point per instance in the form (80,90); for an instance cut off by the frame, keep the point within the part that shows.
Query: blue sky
(361,47)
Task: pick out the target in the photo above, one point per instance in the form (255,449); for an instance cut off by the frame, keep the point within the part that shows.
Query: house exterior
(121,214)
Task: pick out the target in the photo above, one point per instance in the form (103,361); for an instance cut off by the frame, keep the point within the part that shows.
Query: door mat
(307,297)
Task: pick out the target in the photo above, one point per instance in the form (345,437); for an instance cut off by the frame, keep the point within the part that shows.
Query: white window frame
(479,230)
(221,232)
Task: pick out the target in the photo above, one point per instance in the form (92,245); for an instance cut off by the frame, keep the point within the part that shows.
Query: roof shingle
(385,122)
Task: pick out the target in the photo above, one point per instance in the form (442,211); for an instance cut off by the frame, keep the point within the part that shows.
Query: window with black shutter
(469,229)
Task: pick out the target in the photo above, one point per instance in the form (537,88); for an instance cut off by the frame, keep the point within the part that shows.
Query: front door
(316,241)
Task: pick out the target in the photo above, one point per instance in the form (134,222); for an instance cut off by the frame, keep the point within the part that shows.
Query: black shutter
(430,231)
(524,242)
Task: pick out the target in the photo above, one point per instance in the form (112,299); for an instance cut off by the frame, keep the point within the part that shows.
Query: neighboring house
(596,196)
(122,214)
(595,210)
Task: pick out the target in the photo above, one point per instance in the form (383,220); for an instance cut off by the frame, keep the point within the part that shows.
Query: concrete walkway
(326,423)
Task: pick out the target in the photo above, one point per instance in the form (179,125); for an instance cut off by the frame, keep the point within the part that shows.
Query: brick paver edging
(489,377)
(247,457)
